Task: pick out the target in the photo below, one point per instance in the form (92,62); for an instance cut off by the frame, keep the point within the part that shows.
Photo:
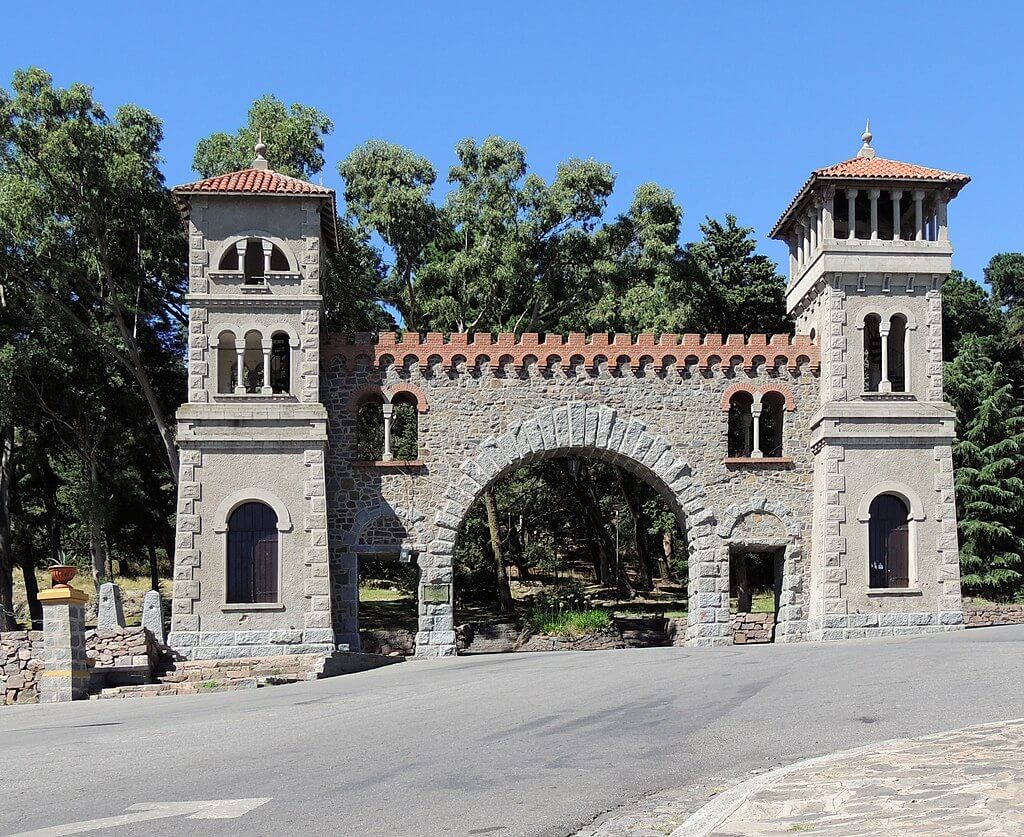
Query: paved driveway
(525,744)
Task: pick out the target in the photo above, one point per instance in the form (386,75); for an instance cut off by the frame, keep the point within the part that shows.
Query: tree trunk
(665,559)
(7,621)
(48,484)
(28,571)
(631,495)
(744,595)
(594,518)
(505,603)
(96,550)
(154,566)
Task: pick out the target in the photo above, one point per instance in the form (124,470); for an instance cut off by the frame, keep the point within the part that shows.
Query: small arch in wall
(890,487)
(245,495)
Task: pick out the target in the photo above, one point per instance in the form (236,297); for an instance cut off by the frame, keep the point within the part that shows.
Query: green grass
(376,594)
(569,623)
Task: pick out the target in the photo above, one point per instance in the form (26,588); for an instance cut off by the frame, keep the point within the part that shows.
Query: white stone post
(240,249)
(793,262)
(942,219)
(240,365)
(919,214)
(267,388)
(109,611)
(884,385)
(268,248)
(800,246)
(828,229)
(812,233)
(873,196)
(851,203)
(153,615)
(388,410)
(755,412)
(896,196)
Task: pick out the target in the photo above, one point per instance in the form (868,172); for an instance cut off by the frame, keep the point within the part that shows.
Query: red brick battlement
(703,350)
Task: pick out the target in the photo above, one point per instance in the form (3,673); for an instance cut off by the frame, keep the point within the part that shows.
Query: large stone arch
(576,428)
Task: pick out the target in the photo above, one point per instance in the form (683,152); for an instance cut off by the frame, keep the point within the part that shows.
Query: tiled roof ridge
(253,181)
(885,167)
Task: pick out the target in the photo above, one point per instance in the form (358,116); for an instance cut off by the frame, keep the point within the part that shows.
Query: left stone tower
(251,566)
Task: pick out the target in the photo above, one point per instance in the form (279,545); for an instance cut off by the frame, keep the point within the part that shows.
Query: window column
(800,244)
(896,196)
(918,214)
(240,367)
(267,346)
(883,331)
(388,410)
(851,203)
(240,247)
(755,412)
(812,232)
(941,219)
(828,223)
(873,196)
(268,248)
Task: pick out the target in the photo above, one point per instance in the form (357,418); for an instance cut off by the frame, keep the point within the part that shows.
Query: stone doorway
(755,592)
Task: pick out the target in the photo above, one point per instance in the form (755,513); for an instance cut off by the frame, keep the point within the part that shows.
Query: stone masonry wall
(21,664)
(654,407)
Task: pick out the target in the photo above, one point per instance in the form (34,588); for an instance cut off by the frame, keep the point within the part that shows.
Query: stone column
(873,196)
(896,196)
(941,218)
(812,233)
(267,389)
(388,410)
(800,246)
(828,225)
(851,203)
(268,248)
(65,674)
(755,450)
(110,612)
(918,214)
(240,249)
(884,385)
(240,366)
(153,616)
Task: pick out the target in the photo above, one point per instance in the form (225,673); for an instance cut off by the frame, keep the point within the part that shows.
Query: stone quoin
(831,448)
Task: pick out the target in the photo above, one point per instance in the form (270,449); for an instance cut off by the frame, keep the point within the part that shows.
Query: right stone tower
(869,249)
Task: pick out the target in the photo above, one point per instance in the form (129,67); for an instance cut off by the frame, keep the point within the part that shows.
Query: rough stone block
(110,613)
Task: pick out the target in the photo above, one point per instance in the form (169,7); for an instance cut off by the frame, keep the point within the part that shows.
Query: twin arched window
(388,431)
(756,425)
(885,353)
(256,258)
(252,565)
(888,542)
(254,365)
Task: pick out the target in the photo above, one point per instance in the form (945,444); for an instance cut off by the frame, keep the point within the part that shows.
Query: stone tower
(251,565)
(869,248)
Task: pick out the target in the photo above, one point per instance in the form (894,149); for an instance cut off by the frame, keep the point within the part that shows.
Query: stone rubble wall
(21,665)
(121,648)
(987,615)
(752,628)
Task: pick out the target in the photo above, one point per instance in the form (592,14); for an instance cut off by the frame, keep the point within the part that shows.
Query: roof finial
(866,150)
(261,149)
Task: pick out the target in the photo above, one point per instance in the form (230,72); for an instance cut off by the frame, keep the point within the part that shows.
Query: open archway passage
(568,552)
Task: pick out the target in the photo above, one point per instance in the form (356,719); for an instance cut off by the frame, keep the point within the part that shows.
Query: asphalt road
(524,744)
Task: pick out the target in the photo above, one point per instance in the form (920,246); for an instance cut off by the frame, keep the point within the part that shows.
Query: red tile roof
(254,181)
(260,181)
(873,168)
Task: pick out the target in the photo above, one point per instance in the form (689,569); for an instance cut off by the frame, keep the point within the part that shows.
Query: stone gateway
(830,449)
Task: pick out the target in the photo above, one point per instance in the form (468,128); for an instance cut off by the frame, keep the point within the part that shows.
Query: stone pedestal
(110,613)
(153,616)
(65,674)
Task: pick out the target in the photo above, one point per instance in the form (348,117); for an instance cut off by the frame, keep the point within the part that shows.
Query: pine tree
(987,457)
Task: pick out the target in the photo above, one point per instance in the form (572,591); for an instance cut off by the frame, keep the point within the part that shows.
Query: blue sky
(728,104)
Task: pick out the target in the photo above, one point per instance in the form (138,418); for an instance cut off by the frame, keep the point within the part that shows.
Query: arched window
(773,411)
(370,430)
(227,362)
(404,427)
(255,257)
(741,425)
(889,542)
(252,554)
(872,353)
(897,343)
(252,362)
(280,364)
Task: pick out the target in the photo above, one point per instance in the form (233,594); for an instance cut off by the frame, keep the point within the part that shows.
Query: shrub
(568,623)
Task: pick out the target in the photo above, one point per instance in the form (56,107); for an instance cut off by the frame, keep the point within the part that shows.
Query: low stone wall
(390,643)
(121,648)
(21,665)
(752,628)
(590,642)
(977,615)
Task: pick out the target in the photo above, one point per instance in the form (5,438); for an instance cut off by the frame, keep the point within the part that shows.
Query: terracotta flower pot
(61,574)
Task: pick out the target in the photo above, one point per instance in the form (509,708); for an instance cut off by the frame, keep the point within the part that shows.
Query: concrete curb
(704,820)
